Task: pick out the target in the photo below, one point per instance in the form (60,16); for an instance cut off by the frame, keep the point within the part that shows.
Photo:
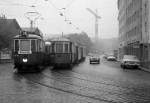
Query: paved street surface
(84,83)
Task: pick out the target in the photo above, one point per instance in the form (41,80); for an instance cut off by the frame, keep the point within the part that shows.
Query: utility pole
(96,22)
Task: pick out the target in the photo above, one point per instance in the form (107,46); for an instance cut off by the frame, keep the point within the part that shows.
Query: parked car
(94,59)
(130,61)
(111,58)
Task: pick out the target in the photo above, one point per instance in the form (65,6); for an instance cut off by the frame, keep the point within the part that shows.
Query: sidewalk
(2,61)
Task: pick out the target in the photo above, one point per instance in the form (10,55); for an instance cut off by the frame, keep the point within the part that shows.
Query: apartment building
(134,29)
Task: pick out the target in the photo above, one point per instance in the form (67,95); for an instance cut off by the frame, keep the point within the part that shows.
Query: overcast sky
(53,23)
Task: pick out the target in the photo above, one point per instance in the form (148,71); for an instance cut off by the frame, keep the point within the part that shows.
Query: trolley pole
(32,17)
(62,34)
(31,23)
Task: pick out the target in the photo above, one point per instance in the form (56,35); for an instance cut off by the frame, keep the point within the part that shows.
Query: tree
(81,39)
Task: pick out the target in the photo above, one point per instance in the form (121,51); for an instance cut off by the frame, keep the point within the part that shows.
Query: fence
(5,56)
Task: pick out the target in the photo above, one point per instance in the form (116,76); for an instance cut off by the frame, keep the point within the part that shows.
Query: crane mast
(96,23)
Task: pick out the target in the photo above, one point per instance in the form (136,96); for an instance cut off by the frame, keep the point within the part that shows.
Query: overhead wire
(69,4)
(66,7)
(32,12)
(5,3)
(63,13)
(52,4)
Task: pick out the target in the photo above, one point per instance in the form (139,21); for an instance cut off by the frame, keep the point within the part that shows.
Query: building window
(145,8)
(145,26)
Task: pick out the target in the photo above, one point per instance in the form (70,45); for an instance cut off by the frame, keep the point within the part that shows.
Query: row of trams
(31,52)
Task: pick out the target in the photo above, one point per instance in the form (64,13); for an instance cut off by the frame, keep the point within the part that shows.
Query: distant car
(105,56)
(111,58)
(130,61)
(94,59)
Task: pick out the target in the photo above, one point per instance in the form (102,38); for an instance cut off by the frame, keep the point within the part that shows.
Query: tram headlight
(25,60)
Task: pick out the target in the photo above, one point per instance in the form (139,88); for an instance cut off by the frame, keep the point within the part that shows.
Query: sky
(51,23)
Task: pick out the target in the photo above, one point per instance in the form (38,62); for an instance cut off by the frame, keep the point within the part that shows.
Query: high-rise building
(134,29)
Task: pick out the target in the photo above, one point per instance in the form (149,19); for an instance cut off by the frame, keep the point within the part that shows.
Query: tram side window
(16,45)
(33,45)
(53,46)
(43,46)
(66,48)
(47,49)
(71,47)
(50,49)
(38,45)
(59,48)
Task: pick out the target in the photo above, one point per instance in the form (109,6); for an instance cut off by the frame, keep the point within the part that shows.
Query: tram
(29,51)
(48,52)
(66,53)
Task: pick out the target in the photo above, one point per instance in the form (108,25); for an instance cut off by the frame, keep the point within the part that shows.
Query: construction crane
(96,22)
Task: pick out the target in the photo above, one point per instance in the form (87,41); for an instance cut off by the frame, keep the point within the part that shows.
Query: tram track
(62,77)
(99,82)
(68,91)
(57,78)
(113,82)
(84,86)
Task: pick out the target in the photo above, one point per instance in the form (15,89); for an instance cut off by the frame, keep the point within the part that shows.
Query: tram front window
(59,48)
(24,45)
(33,45)
(66,48)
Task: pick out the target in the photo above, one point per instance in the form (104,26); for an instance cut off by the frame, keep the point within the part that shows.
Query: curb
(144,69)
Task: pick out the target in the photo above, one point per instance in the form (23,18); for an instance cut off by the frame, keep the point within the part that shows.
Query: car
(105,56)
(111,58)
(94,59)
(130,61)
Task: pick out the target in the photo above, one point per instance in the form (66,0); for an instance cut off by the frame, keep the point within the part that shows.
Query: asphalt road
(84,83)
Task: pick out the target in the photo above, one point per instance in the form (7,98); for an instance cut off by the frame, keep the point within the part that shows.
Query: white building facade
(134,29)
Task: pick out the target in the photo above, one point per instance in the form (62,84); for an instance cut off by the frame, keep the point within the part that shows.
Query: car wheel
(123,67)
(136,67)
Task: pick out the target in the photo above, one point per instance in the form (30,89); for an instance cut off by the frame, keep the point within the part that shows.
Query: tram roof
(62,39)
(35,31)
(29,36)
(47,43)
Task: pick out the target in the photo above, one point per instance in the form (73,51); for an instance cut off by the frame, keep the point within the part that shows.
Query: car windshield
(131,57)
(111,57)
(95,56)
